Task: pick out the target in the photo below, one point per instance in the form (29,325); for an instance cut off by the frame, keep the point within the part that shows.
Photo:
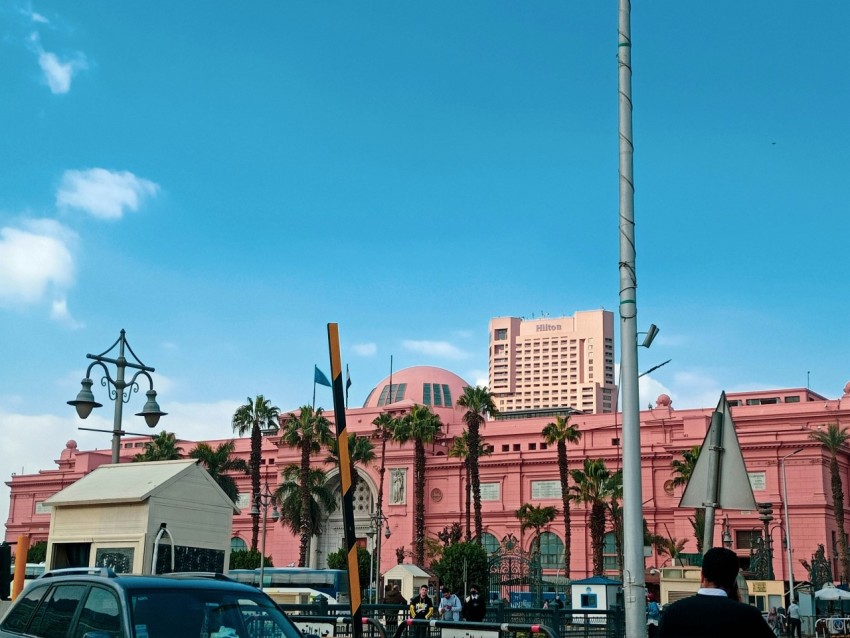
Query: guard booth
(128,516)
(597,592)
(408,578)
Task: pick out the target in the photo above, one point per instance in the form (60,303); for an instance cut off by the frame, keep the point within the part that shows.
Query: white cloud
(26,452)
(435,349)
(102,193)
(57,73)
(365,349)
(59,312)
(25,279)
(37,17)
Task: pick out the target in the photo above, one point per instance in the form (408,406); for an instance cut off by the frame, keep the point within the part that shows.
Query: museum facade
(770,425)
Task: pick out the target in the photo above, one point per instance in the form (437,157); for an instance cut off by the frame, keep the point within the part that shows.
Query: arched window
(490,543)
(237,544)
(610,562)
(551,550)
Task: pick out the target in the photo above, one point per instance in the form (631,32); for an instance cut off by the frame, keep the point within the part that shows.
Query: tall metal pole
(265,506)
(377,557)
(788,526)
(117,430)
(633,569)
(715,449)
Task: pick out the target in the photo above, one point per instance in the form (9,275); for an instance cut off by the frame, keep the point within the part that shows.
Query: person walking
(421,608)
(715,610)
(474,607)
(653,616)
(450,606)
(392,596)
(795,625)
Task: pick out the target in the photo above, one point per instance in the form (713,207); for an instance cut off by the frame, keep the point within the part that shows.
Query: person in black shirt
(474,607)
(715,609)
(421,608)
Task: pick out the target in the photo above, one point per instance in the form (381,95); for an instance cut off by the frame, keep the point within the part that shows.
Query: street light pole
(119,390)
(263,499)
(377,521)
(788,525)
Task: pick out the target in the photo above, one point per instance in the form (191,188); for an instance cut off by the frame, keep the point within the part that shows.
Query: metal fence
(564,623)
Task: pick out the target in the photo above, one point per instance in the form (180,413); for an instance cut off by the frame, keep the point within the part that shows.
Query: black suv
(97,603)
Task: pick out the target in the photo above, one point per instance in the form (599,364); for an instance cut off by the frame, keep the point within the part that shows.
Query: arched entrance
(515,575)
(333,534)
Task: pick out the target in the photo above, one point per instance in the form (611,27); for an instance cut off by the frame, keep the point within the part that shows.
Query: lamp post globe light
(263,500)
(119,390)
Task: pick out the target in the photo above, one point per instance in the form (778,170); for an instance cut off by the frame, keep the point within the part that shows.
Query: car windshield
(207,613)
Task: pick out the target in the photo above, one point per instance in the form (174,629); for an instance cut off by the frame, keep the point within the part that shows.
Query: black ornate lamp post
(378,520)
(765,516)
(119,391)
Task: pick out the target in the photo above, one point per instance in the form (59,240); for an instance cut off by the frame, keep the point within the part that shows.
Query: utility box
(121,515)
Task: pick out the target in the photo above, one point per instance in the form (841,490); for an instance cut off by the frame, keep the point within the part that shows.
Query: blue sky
(223,179)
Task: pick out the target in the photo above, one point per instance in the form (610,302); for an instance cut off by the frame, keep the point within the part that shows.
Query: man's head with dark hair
(720,568)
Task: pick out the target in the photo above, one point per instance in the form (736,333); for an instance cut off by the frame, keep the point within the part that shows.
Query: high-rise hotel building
(553,362)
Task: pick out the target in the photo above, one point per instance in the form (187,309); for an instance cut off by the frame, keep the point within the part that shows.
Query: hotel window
(501,334)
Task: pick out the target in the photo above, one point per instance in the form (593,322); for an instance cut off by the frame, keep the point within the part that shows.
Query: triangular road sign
(719,479)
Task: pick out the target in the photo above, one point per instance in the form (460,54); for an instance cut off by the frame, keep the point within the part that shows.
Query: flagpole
(314,387)
(390,397)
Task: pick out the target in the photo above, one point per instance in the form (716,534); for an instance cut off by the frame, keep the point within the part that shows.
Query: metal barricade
(337,626)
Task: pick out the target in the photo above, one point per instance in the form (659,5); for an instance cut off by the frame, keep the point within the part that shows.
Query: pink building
(522,469)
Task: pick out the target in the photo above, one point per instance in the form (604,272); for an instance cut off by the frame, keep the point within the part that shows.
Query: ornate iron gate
(515,575)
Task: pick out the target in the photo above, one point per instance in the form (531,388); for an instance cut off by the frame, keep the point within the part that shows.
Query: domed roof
(425,385)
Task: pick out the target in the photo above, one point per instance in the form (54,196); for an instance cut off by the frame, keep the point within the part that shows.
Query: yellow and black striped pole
(345,477)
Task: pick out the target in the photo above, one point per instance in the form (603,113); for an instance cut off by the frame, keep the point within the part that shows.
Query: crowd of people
(422,607)
(715,610)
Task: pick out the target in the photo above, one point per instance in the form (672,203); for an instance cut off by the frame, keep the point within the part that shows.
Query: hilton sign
(546,327)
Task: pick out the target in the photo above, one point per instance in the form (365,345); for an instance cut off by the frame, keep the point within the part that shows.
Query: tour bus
(300,581)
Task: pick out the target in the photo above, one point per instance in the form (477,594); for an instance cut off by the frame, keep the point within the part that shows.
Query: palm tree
(254,417)
(833,439)
(219,462)
(535,517)
(478,403)
(360,450)
(162,447)
(614,489)
(560,433)
(682,472)
(592,485)
(385,425)
(288,496)
(672,547)
(460,449)
(421,426)
(308,431)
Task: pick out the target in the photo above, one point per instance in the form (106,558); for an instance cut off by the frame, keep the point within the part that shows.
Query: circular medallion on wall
(436,495)
(668,487)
